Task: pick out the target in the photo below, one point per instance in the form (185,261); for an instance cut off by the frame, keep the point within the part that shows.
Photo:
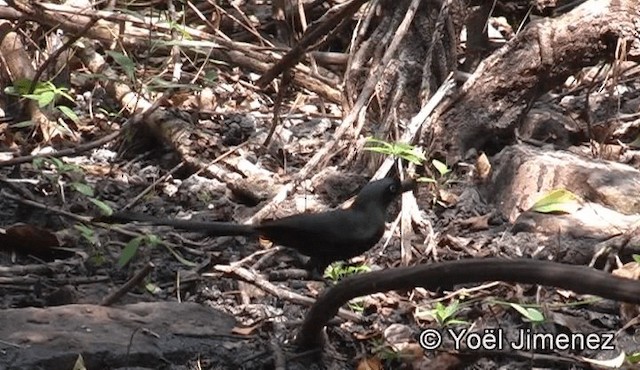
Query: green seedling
(529,314)
(445,315)
(127,65)
(87,234)
(416,156)
(131,249)
(356,304)
(442,169)
(73,172)
(339,270)
(45,94)
(384,351)
(407,152)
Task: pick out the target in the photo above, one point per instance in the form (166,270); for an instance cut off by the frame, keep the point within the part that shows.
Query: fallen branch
(580,279)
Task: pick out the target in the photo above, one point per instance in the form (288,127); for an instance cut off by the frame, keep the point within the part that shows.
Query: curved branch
(580,279)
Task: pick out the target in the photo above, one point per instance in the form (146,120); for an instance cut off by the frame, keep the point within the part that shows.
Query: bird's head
(381,193)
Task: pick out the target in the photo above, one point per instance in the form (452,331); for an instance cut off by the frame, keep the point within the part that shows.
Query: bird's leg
(316,266)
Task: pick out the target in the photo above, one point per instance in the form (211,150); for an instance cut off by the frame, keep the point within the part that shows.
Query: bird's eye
(393,188)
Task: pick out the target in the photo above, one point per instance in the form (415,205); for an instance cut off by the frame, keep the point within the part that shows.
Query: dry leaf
(28,238)
(366,335)
(476,223)
(370,363)
(629,270)
(483,168)
(245,330)
(448,198)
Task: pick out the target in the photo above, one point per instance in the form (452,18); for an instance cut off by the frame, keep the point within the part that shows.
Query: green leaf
(331,272)
(634,358)
(125,62)
(104,208)
(558,200)
(43,87)
(427,179)
(378,146)
(445,315)
(636,257)
(152,288)
(129,251)
(87,233)
(57,163)
(44,98)
(21,86)
(519,308)
(153,239)
(82,188)
(211,76)
(356,304)
(373,140)
(452,308)
(338,270)
(359,269)
(440,167)
(63,92)
(409,153)
(84,229)
(405,151)
(179,257)
(381,150)
(38,162)
(530,314)
(22,124)
(535,315)
(69,113)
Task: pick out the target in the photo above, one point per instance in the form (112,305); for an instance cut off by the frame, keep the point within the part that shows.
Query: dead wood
(405,65)
(493,101)
(330,21)
(53,337)
(137,33)
(523,173)
(176,131)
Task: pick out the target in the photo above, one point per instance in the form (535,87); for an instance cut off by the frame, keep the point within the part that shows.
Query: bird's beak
(408,185)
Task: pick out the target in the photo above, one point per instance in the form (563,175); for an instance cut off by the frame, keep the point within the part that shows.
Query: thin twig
(64,152)
(257,280)
(152,186)
(325,25)
(132,283)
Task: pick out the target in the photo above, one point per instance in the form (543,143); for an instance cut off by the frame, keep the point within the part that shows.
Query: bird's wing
(326,230)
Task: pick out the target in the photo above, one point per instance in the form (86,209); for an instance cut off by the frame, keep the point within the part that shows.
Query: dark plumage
(325,237)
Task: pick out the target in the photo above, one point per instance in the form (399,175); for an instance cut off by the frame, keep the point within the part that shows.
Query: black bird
(325,237)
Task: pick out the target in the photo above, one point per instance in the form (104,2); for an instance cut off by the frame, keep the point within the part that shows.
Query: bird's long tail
(213,228)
